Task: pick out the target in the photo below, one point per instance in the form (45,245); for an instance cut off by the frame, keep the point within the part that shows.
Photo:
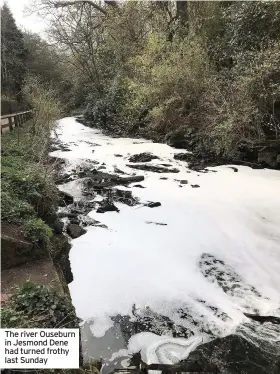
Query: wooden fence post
(10,123)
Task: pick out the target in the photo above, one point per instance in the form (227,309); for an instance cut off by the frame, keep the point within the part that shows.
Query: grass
(29,194)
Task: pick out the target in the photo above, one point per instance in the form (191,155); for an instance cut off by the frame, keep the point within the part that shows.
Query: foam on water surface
(218,256)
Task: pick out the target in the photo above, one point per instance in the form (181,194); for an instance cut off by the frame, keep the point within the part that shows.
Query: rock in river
(153,204)
(75,230)
(142,157)
(154,168)
(234,354)
(184,156)
(65,198)
(102,180)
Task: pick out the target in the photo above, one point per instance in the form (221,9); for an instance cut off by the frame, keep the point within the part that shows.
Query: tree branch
(62,4)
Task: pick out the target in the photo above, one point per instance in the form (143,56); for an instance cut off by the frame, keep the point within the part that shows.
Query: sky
(24,21)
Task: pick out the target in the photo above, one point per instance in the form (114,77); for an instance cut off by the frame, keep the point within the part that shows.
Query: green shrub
(11,318)
(215,72)
(39,232)
(14,209)
(105,111)
(40,305)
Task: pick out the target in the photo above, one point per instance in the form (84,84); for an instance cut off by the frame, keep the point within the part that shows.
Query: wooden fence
(10,121)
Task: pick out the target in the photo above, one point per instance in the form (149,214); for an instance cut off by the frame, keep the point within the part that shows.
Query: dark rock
(65,198)
(184,181)
(142,157)
(75,230)
(56,161)
(234,354)
(154,168)
(125,197)
(184,156)
(88,193)
(86,166)
(83,206)
(102,180)
(57,226)
(50,217)
(195,185)
(54,148)
(118,155)
(67,214)
(75,221)
(246,151)
(269,155)
(156,223)
(102,226)
(101,168)
(61,258)
(163,178)
(139,186)
(65,149)
(107,207)
(262,319)
(88,221)
(181,138)
(153,205)
(233,168)
(249,164)
(200,164)
(135,178)
(119,171)
(185,367)
(166,165)
(82,120)
(61,179)
(93,171)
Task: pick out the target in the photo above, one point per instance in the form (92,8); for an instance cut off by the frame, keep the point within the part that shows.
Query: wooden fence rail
(10,121)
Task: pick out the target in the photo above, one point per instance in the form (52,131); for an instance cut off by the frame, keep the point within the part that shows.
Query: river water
(162,289)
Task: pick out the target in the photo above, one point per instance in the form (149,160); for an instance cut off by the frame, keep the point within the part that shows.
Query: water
(162,289)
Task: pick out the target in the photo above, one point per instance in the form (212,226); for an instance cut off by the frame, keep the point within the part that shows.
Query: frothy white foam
(100,326)
(157,349)
(235,217)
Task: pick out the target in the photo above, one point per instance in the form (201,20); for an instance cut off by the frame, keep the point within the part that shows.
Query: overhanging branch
(62,4)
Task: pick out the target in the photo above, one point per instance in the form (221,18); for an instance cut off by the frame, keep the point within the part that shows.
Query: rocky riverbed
(167,255)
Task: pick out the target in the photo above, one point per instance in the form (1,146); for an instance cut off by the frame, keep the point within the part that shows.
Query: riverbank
(257,154)
(34,251)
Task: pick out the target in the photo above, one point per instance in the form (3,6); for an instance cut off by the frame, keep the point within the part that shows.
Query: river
(162,280)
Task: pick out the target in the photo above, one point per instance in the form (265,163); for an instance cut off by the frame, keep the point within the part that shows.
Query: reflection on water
(103,348)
